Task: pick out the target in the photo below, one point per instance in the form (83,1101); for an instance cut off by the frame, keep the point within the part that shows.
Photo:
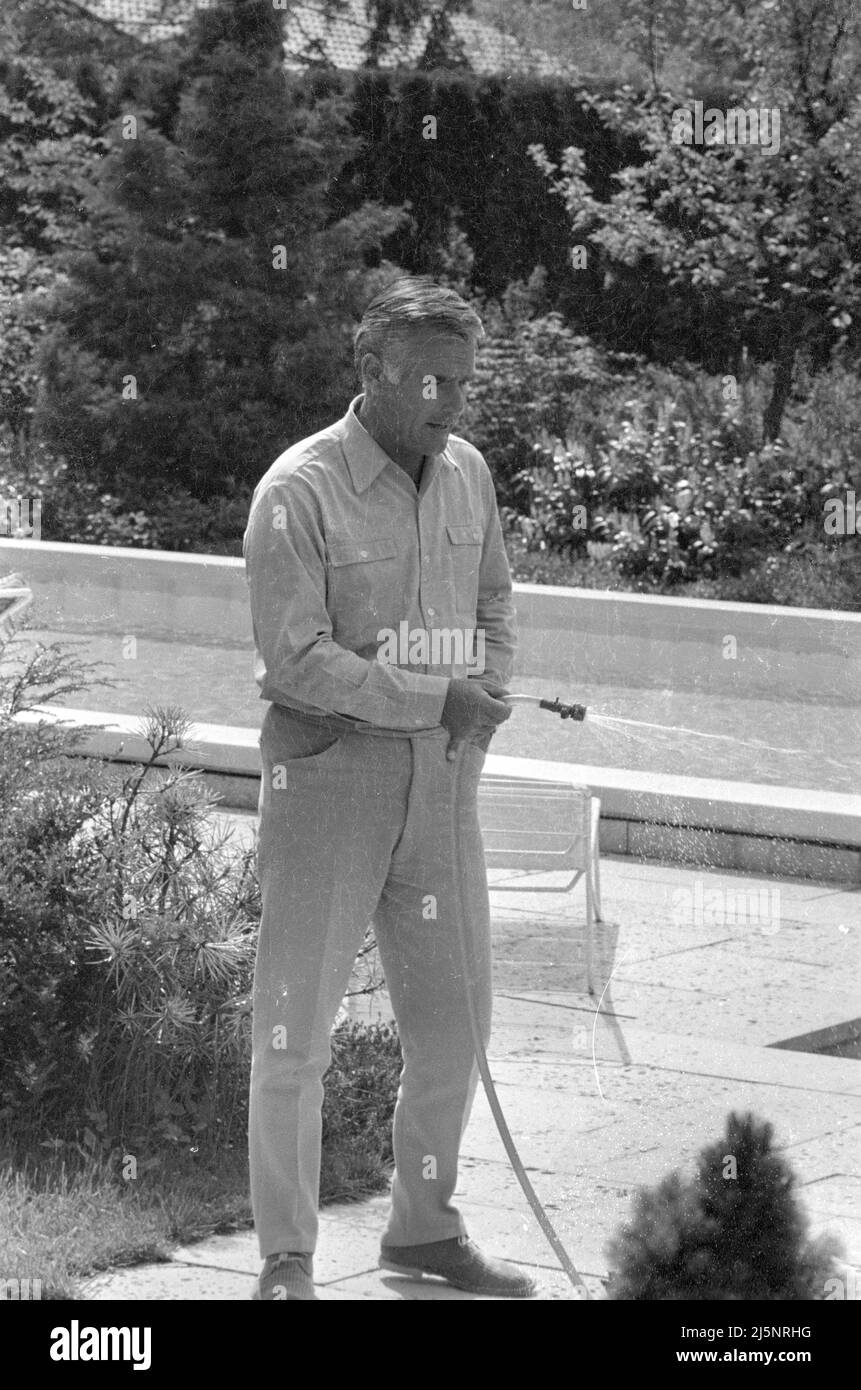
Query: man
(383,523)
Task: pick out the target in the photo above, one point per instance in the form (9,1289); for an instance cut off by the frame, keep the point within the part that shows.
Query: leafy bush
(78,511)
(735,1231)
(661,472)
(534,375)
(361,1088)
(26,279)
(814,576)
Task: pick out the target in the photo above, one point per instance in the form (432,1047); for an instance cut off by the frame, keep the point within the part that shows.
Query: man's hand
(469,712)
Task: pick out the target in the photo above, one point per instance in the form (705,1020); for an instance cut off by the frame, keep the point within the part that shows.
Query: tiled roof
(339,41)
(149,20)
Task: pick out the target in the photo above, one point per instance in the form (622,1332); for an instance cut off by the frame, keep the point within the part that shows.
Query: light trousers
(355,829)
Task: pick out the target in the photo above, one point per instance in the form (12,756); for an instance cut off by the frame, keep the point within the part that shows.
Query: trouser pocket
(285,738)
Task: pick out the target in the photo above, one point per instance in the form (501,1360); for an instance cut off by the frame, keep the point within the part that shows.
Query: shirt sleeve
(495,611)
(285,568)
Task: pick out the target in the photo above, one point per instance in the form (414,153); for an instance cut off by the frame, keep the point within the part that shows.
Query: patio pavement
(694,999)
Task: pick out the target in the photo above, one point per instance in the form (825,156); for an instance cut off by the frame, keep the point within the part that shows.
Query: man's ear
(370,369)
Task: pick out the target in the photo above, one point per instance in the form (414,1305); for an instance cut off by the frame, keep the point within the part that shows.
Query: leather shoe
(461,1264)
(287,1278)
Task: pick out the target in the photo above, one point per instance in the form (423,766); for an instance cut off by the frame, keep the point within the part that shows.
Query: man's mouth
(448,425)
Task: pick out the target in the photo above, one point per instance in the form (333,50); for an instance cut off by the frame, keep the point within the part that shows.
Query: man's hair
(413,302)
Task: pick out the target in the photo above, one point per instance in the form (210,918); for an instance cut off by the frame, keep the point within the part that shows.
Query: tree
(745,245)
(207,322)
(50,121)
(443,48)
(397,20)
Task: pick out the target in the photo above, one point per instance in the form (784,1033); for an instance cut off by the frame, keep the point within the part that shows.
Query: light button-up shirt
(340,548)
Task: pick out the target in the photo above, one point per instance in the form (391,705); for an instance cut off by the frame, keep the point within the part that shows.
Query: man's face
(421,406)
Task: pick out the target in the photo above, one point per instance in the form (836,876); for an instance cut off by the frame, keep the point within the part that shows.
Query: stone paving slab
(736,1060)
(650,1123)
(707,1030)
(502,1222)
(759,1016)
(809,939)
(717,1018)
(717,971)
(536,941)
(838,1152)
(683,1038)
(837,1196)
(168,1282)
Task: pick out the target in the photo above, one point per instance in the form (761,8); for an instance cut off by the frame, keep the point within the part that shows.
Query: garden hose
(566,712)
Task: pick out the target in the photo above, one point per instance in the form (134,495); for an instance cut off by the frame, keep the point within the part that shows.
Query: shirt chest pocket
(361,572)
(464,546)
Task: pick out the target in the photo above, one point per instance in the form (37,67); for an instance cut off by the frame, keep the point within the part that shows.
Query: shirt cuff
(425,700)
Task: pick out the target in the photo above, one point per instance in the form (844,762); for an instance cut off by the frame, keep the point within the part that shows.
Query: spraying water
(621,725)
(609,720)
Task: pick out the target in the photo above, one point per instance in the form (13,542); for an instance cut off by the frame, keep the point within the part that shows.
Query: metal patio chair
(543,827)
(15,597)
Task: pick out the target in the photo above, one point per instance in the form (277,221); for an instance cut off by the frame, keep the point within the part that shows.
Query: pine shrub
(734,1231)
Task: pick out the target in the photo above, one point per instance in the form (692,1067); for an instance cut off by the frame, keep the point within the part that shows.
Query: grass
(63,1221)
(67,1213)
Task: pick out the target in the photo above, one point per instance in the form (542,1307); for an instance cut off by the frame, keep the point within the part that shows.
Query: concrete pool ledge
(752,827)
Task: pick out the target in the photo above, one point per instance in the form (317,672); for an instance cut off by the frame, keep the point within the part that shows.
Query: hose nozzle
(564,711)
(555,706)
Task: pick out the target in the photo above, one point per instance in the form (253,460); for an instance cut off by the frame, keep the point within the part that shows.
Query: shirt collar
(365,459)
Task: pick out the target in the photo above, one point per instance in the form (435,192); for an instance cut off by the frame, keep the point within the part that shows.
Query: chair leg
(587,816)
(595,858)
(596,887)
(589,919)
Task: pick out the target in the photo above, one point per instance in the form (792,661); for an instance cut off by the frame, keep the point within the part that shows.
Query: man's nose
(455,398)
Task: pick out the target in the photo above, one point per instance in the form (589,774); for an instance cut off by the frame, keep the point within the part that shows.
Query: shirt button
(364,554)
(431,612)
